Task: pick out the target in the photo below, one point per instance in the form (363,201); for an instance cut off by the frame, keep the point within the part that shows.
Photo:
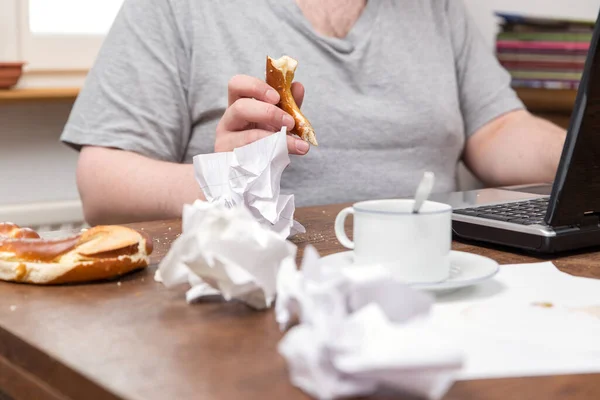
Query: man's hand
(252,114)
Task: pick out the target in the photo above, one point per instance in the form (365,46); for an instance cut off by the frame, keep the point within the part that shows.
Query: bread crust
(100,253)
(280,75)
(10,230)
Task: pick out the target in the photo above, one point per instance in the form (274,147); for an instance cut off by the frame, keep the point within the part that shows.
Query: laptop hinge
(589,220)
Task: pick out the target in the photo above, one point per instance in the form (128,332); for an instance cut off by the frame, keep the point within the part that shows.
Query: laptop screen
(576,190)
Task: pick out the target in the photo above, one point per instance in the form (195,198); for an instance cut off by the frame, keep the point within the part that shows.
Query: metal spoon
(423,191)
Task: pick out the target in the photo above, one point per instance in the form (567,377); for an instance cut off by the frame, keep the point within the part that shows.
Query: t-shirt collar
(359,33)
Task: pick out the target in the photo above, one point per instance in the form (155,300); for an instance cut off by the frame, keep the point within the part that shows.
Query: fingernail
(288,121)
(272,96)
(301,146)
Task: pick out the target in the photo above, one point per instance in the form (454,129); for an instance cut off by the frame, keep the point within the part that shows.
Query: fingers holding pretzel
(257,109)
(253,114)
(242,86)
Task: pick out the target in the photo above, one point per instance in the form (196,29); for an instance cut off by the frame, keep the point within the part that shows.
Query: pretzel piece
(280,75)
(10,230)
(102,252)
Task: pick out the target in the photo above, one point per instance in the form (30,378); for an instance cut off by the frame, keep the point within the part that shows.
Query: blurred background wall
(35,169)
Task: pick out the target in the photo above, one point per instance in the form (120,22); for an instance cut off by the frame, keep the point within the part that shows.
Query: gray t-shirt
(398,96)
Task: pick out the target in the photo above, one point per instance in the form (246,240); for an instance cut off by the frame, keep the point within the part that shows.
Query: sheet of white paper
(224,250)
(360,329)
(251,175)
(508,329)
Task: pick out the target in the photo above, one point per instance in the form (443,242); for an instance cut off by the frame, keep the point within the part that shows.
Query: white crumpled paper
(234,243)
(251,175)
(225,251)
(359,330)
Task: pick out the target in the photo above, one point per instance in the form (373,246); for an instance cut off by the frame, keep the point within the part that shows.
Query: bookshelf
(545,58)
(543,52)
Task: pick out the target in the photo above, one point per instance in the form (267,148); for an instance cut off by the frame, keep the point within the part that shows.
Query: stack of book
(543,52)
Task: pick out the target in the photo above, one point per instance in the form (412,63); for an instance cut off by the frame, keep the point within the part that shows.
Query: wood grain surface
(548,100)
(134,339)
(555,105)
(38,94)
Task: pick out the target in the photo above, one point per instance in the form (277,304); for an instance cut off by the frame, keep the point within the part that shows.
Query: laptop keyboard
(531,212)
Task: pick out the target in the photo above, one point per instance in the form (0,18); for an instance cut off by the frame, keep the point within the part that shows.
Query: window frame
(9,30)
(53,52)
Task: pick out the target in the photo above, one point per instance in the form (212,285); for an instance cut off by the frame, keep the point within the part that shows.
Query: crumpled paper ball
(358,330)
(225,251)
(251,175)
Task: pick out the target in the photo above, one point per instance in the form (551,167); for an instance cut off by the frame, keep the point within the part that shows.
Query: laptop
(546,218)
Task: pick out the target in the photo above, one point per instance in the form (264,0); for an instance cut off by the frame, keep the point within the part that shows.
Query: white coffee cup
(416,247)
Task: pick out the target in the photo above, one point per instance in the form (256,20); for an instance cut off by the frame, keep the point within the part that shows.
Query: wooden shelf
(555,105)
(38,94)
(548,100)
(545,102)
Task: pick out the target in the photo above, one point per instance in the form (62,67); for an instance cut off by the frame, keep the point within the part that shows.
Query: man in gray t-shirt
(393,88)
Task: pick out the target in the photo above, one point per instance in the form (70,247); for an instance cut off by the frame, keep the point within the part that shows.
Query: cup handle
(340,232)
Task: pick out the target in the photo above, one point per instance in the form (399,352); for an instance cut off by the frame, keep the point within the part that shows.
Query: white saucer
(466,269)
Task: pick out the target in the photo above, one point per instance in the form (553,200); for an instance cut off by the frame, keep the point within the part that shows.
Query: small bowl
(10,73)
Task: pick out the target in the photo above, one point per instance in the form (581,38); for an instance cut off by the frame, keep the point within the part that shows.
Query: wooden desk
(138,340)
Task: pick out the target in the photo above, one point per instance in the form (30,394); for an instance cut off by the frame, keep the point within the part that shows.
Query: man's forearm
(119,187)
(517,148)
